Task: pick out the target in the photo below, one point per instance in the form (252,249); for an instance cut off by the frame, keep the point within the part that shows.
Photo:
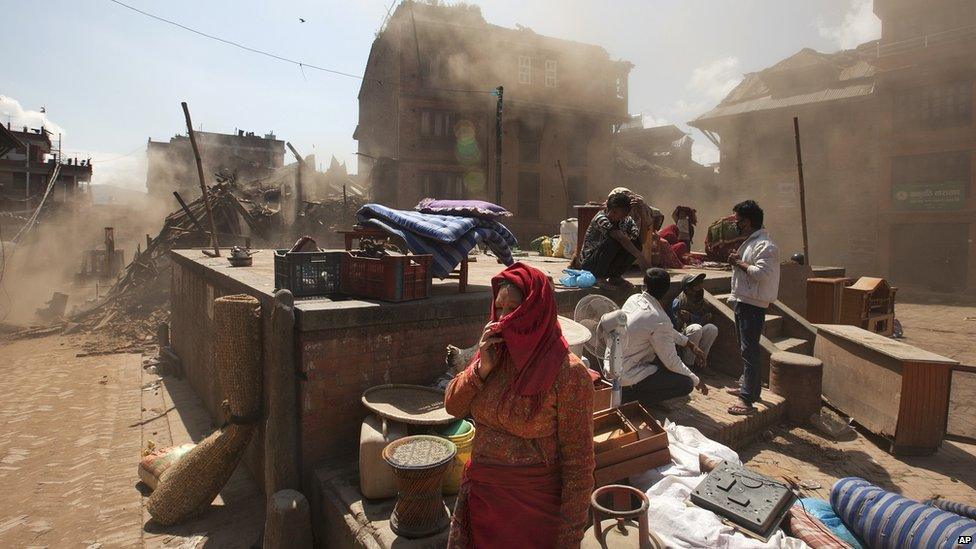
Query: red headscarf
(534,342)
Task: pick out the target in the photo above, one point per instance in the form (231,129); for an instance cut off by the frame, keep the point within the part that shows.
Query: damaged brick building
(427,117)
(889,145)
(241,155)
(28,157)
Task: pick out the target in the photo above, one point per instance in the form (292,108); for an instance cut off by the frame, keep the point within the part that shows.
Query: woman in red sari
(530,477)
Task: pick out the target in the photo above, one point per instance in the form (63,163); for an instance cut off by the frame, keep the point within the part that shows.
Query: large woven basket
(420,511)
(189,486)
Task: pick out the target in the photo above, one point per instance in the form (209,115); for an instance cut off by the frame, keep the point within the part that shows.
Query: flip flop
(741,409)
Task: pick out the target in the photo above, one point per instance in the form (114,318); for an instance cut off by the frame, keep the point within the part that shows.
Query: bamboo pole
(803,201)
(203,183)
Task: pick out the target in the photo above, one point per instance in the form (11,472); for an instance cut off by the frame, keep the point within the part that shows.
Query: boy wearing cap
(691,315)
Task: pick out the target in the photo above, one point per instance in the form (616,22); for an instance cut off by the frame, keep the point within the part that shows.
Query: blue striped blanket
(885,520)
(448,238)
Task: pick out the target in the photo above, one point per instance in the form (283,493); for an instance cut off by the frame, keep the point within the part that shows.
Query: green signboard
(946,195)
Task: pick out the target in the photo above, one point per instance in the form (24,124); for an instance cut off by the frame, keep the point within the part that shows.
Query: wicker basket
(420,509)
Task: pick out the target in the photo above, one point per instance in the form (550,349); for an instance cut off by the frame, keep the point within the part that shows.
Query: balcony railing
(925,41)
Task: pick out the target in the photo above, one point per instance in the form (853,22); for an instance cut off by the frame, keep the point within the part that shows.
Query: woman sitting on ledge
(531,472)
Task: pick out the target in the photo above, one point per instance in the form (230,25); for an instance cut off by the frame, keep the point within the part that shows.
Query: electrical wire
(301,64)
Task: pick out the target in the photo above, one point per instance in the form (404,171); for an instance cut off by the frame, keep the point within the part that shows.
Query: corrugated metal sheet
(770,103)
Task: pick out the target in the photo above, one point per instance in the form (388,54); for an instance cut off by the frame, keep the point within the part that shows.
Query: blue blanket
(448,238)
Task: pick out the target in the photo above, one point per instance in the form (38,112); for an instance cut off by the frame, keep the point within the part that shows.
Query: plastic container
(376,480)
(461,433)
(307,273)
(568,230)
(388,278)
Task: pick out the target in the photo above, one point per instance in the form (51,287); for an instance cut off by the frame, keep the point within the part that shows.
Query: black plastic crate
(308,273)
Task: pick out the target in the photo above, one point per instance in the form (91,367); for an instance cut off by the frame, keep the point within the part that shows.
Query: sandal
(742,409)
(734,391)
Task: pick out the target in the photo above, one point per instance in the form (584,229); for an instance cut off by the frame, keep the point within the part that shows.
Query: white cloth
(702,336)
(759,284)
(649,335)
(668,488)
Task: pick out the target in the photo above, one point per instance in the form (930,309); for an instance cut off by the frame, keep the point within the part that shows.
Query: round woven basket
(419,463)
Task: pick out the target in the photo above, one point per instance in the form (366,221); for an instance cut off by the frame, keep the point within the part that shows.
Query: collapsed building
(888,146)
(240,155)
(28,159)
(427,115)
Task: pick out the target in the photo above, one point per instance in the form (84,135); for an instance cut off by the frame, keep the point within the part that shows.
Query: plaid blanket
(448,238)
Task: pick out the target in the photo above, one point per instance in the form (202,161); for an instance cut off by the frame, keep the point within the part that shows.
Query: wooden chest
(895,390)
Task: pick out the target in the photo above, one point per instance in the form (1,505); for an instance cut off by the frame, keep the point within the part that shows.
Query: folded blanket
(447,238)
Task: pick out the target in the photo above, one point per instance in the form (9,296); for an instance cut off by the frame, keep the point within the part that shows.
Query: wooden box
(620,471)
(611,429)
(823,299)
(602,395)
(895,390)
(650,437)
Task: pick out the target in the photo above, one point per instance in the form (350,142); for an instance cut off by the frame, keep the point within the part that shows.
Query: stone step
(773,326)
(793,345)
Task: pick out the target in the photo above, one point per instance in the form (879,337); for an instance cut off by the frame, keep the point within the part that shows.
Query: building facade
(242,155)
(832,97)
(27,160)
(926,91)
(427,115)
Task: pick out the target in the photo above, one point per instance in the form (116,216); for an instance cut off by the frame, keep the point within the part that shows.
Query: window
(524,69)
(442,185)
(550,73)
(438,124)
(576,151)
(576,191)
(935,105)
(528,195)
(530,143)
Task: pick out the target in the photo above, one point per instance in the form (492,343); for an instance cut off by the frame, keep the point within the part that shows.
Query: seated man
(692,316)
(651,370)
(611,244)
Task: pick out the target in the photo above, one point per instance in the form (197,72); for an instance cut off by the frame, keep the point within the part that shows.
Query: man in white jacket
(755,284)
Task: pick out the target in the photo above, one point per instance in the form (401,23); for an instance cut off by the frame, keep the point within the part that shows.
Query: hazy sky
(110,78)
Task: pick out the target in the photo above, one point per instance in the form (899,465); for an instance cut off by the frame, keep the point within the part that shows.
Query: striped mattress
(884,520)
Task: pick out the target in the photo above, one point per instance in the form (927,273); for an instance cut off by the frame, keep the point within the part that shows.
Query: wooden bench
(359,232)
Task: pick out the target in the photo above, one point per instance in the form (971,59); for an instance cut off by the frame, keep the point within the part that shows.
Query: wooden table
(893,389)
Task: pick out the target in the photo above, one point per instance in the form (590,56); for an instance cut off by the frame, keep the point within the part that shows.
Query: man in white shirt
(755,284)
(651,370)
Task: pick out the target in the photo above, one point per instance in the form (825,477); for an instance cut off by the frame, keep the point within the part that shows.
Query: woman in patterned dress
(531,472)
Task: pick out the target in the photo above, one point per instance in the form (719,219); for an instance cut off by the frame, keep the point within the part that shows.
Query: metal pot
(629,527)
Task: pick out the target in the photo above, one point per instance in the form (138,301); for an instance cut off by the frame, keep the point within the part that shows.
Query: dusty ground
(946,329)
(73,430)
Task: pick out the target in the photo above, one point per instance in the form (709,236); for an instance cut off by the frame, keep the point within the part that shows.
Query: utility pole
(803,202)
(499,92)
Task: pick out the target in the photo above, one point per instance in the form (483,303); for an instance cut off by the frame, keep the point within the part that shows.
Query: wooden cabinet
(823,299)
(869,303)
(895,390)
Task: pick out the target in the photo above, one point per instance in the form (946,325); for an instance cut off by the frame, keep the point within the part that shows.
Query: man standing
(651,370)
(692,316)
(755,283)
(612,242)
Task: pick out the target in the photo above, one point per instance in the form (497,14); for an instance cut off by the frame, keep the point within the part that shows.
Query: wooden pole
(203,182)
(288,521)
(281,432)
(186,210)
(499,91)
(803,200)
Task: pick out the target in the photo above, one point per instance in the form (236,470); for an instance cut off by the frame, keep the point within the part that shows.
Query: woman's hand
(488,346)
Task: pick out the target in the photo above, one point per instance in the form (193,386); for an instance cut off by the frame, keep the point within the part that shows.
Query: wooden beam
(203,182)
(186,210)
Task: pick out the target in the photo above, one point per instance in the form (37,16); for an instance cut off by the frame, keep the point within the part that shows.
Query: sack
(158,460)
(722,239)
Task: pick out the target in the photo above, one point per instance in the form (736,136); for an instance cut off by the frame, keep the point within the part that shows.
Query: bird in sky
(300,19)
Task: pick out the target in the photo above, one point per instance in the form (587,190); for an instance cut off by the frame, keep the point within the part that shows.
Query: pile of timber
(138,301)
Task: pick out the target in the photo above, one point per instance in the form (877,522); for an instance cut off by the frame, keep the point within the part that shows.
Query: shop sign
(946,195)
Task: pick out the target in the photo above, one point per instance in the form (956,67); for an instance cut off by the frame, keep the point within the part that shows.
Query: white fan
(608,324)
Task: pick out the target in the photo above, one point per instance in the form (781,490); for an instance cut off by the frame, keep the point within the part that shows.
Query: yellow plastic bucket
(461,434)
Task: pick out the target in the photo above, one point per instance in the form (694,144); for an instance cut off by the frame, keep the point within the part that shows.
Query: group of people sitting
(629,230)
(530,477)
